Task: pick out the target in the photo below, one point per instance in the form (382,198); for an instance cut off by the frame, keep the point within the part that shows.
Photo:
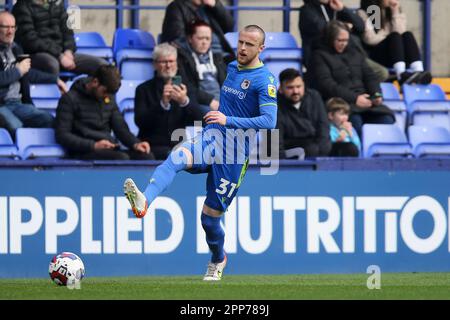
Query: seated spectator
(391,44)
(181,13)
(344,138)
(205,70)
(16,105)
(160,105)
(86,115)
(43,32)
(314,17)
(341,71)
(301,118)
(3,124)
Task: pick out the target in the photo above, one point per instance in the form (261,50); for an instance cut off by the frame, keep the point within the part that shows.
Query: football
(66,269)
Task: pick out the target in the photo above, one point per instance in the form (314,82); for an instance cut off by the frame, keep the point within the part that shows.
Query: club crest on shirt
(245,84)
(272,90)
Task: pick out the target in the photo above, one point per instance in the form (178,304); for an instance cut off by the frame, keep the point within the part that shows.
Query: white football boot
(137,200)
(215,270)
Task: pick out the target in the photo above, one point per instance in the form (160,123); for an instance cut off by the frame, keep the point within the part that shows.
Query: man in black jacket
(160,105)
(314,17)
(44,33)
(16,105)
(181,13)
(301,119)
(86,115)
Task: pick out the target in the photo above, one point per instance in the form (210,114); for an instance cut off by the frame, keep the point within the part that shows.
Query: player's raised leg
(163,176)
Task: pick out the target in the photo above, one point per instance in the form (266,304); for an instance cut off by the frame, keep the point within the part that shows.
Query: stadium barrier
(324,216)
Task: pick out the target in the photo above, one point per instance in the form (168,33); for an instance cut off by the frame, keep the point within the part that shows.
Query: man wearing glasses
(16,106)
(163,103)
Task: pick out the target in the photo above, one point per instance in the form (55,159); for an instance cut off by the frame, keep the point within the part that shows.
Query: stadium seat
(134,45)
(429,141)
(281,52)
(38,143)
(385,140)
(427,105)
(92,43)
(7,147)
(125,95)
(45,96)
(392,99)
(137,70)
(232,38)
(129,119)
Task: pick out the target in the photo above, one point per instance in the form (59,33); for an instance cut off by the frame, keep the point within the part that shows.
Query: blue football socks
(164,174)
(215,237)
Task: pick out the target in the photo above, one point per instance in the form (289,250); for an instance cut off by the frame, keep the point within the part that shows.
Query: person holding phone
(341,71)
(164,103)
(16,106)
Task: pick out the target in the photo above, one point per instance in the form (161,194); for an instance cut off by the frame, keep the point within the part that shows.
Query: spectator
(301,118)
(181,13)
(344,138)
(341,71)
(44,33)
(16,105)
(86,115)
(162,106)
(205,70)
(314,17)
(391,44)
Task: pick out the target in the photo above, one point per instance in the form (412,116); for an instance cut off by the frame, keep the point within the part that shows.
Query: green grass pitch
(237,287)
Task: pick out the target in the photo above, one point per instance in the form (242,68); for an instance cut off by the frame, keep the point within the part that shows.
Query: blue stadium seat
(137,69)
(385,140)
(232,38)
(133,45)
(45,96)
(427,105)
(125,95)
(92,43)
(392,99)
(429,141)
(38,143)
(7,147)
(129,119)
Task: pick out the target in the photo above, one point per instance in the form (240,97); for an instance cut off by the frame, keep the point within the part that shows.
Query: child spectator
(344,139)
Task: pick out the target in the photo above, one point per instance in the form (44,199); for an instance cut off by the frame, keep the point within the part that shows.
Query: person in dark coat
(205,70)
(160,105)
(44,33)
(313,20)
(301,118)
(87,114)
(338,70)
(180,14)
(16,73)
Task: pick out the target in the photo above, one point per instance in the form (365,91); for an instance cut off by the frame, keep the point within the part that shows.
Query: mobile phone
(22,57)
(176,81)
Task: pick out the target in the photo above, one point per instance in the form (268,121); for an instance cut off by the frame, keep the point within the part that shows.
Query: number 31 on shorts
(223,187)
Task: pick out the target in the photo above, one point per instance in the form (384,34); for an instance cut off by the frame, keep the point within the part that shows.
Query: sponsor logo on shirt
(272,90)
(241,95)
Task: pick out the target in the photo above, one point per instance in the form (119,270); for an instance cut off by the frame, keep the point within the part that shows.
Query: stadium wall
(319,217)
